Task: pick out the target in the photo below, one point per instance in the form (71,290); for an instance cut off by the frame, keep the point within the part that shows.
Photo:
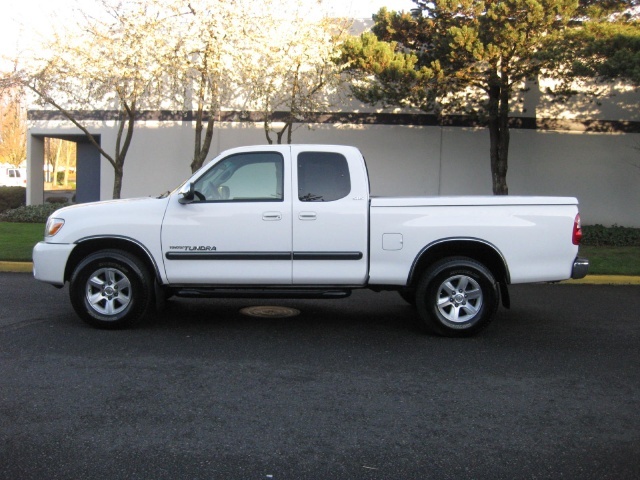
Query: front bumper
(50,262)
(580,268)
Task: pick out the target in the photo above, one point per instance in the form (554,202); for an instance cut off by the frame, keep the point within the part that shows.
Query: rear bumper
(580,268)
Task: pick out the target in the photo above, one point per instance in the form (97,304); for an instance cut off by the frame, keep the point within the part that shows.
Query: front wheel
(457,297)
(111,289)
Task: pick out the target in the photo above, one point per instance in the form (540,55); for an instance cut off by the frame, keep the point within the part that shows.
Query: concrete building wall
(601,169)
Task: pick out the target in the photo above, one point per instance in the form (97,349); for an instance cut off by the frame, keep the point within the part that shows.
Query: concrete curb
(17,267)
(605,280)
(22,267)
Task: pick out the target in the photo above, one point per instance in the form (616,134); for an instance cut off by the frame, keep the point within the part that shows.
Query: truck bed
(478,200)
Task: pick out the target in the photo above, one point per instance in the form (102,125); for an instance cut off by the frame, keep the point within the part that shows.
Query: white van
(13,177)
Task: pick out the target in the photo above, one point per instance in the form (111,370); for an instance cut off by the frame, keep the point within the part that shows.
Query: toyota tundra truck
(297,221)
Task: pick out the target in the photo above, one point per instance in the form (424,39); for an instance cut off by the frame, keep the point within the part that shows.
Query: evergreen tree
(468,55)
(604,44)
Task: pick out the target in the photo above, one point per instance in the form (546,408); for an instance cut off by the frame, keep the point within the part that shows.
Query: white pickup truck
(298,221)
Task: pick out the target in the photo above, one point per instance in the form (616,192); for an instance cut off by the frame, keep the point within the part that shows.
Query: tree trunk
(202,146)
(67,165)
(289,133)
(499,135)
(267,130)
(287,130)
(197,141)
(500,183)
(56,169)
(118,172)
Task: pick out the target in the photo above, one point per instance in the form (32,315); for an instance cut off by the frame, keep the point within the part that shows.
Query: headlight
(53,226)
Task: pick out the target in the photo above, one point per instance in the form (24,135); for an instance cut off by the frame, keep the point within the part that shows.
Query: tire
(456,297)
(111,289)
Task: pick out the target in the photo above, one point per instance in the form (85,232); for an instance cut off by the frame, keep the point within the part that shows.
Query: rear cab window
(323,177)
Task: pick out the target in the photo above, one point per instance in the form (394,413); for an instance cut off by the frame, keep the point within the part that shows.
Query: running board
(262,293)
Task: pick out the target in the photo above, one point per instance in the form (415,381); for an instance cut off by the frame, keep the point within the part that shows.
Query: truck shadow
(357,312)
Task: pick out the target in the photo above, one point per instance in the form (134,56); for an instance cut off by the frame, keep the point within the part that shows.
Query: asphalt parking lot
(348,389)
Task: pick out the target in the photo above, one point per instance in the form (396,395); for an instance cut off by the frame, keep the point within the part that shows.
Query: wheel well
(87,247)
(477,250)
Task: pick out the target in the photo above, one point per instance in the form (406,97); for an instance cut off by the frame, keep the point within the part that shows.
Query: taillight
(577,230)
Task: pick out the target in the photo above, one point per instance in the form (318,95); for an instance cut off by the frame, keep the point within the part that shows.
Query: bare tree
(109,62)
(13,127)
(289,65)
(201,68)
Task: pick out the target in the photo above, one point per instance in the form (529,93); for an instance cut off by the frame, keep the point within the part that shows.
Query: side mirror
(186,193)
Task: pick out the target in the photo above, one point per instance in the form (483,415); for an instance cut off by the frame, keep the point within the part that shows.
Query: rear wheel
(111,289)
(456,297)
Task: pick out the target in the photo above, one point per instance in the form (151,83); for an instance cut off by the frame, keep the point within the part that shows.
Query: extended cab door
(237,228)
(330,216)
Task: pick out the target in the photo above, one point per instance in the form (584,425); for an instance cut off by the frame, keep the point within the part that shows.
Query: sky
(23,22)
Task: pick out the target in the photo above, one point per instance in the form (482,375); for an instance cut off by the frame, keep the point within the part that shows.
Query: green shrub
(29,214)
(615,236)
(57,200)
(12,197)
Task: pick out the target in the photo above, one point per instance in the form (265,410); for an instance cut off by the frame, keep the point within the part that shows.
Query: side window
(322,177)
(245,177)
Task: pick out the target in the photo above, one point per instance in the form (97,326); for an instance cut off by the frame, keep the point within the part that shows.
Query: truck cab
(273,216)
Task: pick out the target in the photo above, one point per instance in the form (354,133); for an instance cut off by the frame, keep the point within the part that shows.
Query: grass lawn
(612,260)
(17,241)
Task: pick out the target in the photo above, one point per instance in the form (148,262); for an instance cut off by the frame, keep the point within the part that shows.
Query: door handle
(271,216)
(307,215)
